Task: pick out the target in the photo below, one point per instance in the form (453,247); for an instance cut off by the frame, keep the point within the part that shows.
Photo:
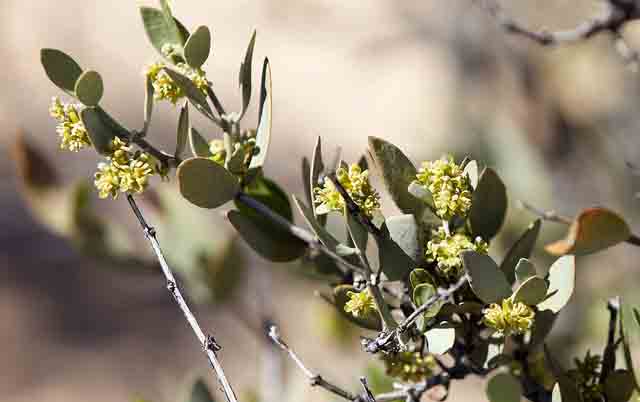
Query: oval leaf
(193,93)
(198,47)
(244,77)
(487,281)
(61,69)
(161,28)
(522,248)
(418,276)
(504,387)
(205,183)
(99,129)
(471,170)
(89,88)
(183,131)
(489,205)
(198,144)
(531,292)
(271,242)
(404,231)
(619,386)
(561,283)
(440,340)
(524,270)
(397,173)
(421,295)
(263,133)
(593,230)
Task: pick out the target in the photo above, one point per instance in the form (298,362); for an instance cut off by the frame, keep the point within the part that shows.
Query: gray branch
(209,345)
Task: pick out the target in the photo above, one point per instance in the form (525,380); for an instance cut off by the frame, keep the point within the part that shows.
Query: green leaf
(161,28)
(471,170)
(371,321)
(595,229)
(197,98)
(486,279)
(270,194)
(440,340)
(148,103)
(100,131)
(561,283)
(274,244)
(89,88)
(531,292)
(522,248)
(61,69)
(200,392)
(394,246)
(198,144)
(524,270)
(183,131)
(205,183)
(418,276)
(397,173)
(317,169)
(489,205)
(198,47)
(263,133)
(325,237)
(404,231)
(358,234)
(619,386)
(421,295)
(244,78)
(504,387)
(306,173)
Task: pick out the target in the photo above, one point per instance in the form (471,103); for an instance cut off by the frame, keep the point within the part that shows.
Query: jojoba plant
(442,309)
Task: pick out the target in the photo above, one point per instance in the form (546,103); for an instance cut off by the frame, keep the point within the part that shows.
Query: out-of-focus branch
(614,16)
(208,343)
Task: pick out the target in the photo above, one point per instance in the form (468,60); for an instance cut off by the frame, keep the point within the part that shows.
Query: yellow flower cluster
(126,172)
(356,182)
(448,185)
(510,318)
(445,250)
(166,89)
(409,366)
(360,304)
(73,134)
(219,154)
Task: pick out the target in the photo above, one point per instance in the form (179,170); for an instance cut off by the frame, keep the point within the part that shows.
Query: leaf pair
(67,75)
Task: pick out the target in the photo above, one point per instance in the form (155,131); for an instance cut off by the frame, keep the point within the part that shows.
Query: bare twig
(615,14)
(609,355)
(208,342)
(314,379)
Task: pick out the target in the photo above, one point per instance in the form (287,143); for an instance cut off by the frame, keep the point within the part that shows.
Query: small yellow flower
(166,89)
(219,154)
(448,185)
(409,366)
(445,251)
(360,304)
(510,318)
(72,132)
(356,183)
(126,172)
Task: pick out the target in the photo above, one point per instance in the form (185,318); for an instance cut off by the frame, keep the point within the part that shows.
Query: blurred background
(559,125)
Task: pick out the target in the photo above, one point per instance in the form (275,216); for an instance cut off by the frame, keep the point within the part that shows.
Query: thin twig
(208,342)
(615,14)
(314,379)
(609,355)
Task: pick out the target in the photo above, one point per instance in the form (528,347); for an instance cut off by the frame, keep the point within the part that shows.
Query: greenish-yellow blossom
(73,134)
(218,152)
(166,89)
(125,172)
(409,366)
(509,317)
(444,249)
(356,182)
(360,304)
(448,185)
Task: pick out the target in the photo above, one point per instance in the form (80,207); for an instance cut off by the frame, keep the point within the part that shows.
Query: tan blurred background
(431,76)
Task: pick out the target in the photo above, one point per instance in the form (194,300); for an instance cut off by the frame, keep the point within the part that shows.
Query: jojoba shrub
(440,307)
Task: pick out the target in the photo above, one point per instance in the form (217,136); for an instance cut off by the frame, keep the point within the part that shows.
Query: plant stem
(208,343)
